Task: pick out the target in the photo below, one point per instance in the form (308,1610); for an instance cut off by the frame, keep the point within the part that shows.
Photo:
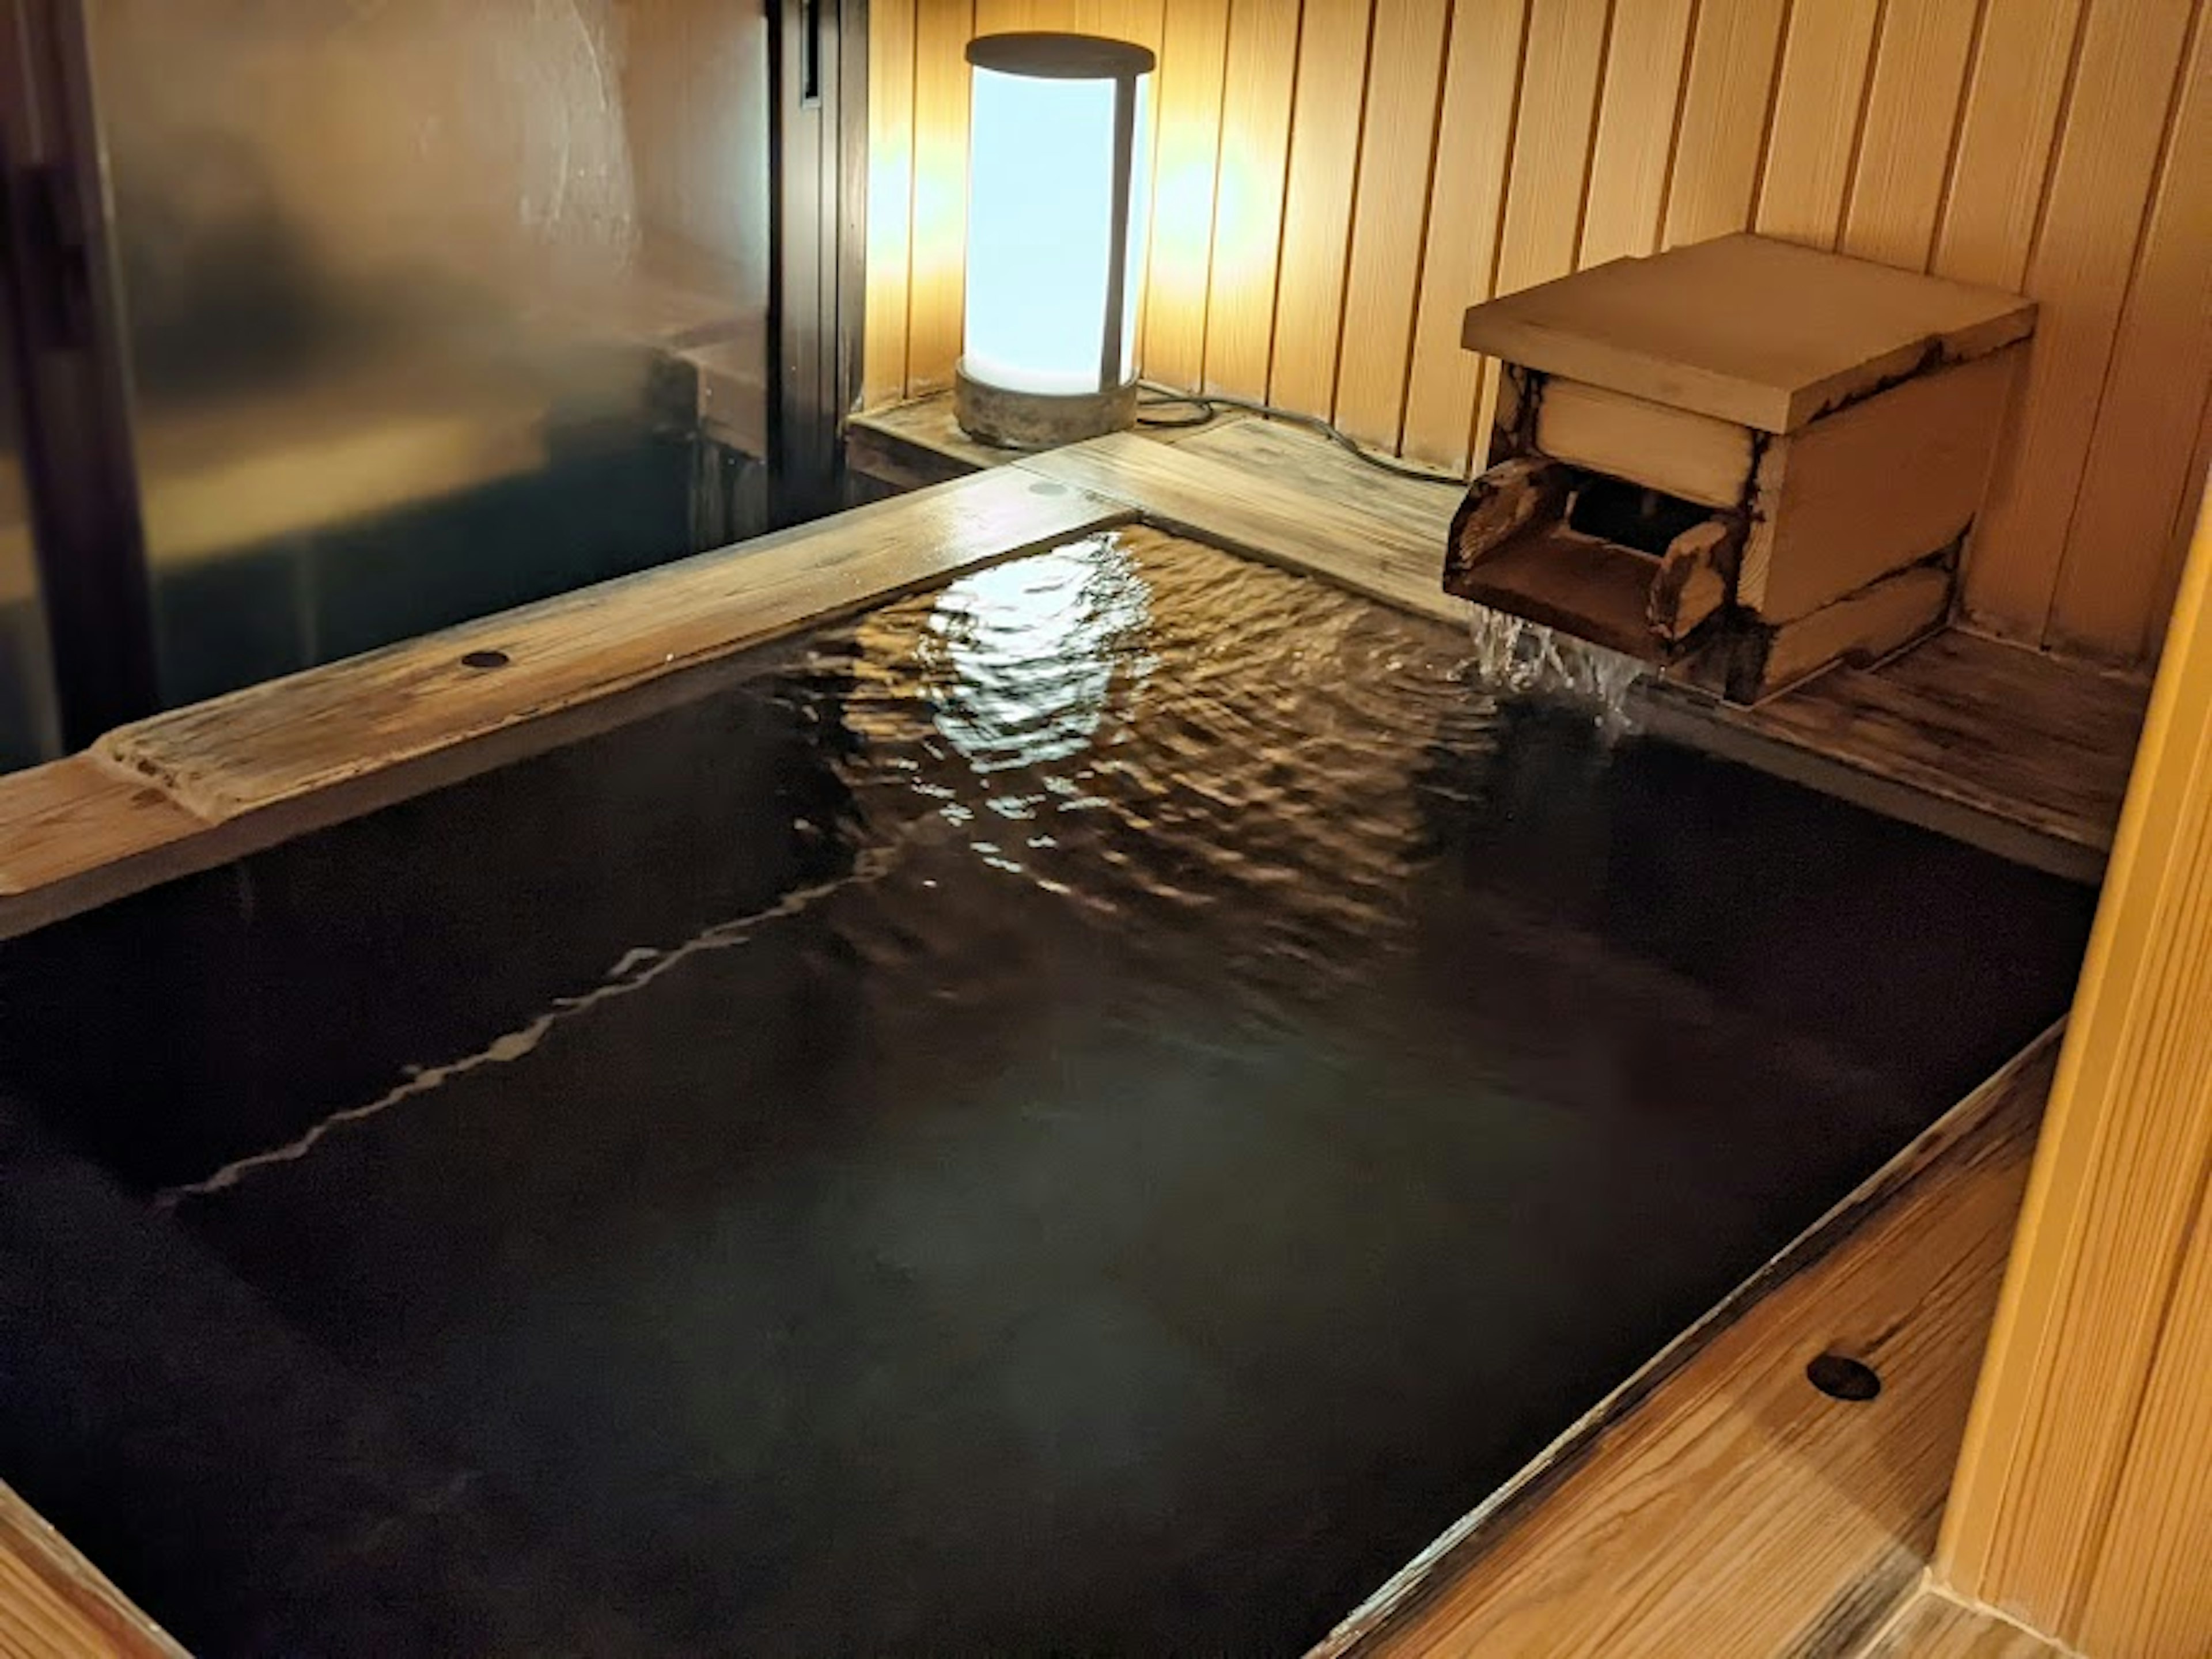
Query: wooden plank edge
(1698,721)
(1095,467)
(190,839)
(1409,1589)
(80,1587)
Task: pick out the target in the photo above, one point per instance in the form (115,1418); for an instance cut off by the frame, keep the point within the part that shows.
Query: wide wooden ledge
(1718,1506)
(54,1604)
(2022,754)
(196,788)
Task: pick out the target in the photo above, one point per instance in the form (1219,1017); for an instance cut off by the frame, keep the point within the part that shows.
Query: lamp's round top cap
(1048,57)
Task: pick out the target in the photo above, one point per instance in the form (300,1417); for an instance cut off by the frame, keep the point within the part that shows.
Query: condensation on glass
(434,306)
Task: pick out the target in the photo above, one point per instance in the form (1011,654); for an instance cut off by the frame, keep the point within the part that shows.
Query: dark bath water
(1095,1110)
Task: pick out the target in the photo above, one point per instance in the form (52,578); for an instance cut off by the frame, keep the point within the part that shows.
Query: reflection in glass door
(434,306)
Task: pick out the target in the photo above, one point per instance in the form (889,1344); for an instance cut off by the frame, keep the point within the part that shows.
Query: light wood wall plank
(1248,207)
(2150,1591)
(2079,269)
(938,255)
(1904,147)
(2194,478)
(1397,146)
(1644,63)
(2076,1415)
(1819,102)
(890,199)
(1565,52)
(1317,206)
(2010,115)
(2012,143)
(1193,51)
(1561,62)
(1723,125)
(2137,474)
(1474,139)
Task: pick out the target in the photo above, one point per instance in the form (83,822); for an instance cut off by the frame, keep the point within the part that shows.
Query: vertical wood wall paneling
(1474,140)
(2010,110)
(1724,124)
(2137,477)
(1904,146)
(2194,478)
(1248,206)
(2038,145)
(2083,1500)
(891,197)
(2149,1593)
(1553,134)
(1317,202)
(1645,64)
(1187,149)
(938,254)
(2084,253)
(1397,146)
(1820,108)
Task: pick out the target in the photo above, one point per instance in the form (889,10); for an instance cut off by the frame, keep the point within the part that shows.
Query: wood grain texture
(1934,1626)
(1866,626)
(254,748)
(54,1604)
(1317,204)
(1397,148)
(1980,723)
(2084,1494)
(890,199)
(1692,456)
(2138,479)
(196,787)
(1186,152)
(1722,129)
(2007,143)
(1561,62)
(1467,204)
(1820,106)
(1720,1479)
(1718,328)
(937,258)
(1361,528)
(1645,61)
(2023,753)
(2085,252)
(1874,487)
(2006,123)
(1248,205)
(1904,140)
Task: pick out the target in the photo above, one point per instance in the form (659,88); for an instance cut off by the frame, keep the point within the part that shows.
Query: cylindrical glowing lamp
(1056,215)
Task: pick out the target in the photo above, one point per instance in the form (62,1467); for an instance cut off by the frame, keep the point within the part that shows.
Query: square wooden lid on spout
(1763,333)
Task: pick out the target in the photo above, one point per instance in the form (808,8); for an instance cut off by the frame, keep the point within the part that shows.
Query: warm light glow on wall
(1057,201)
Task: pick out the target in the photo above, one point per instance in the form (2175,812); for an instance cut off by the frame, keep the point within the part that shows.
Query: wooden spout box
(1798,441)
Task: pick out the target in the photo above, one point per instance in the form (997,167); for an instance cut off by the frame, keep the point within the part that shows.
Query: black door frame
(819,163)
(65,331)
(62,314)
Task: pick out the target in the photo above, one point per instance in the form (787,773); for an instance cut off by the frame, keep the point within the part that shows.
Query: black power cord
(1207,407)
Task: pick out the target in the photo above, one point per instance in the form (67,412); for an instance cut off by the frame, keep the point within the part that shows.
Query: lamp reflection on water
(1019,658)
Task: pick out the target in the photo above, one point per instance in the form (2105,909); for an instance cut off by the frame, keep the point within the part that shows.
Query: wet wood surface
(54,1604)
(1721,1507)
(200,784)
(1933,1627)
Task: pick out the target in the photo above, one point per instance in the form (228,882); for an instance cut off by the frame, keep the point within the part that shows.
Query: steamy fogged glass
(420,294)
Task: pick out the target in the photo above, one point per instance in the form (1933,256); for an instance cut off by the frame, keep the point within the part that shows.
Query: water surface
(1096,1110)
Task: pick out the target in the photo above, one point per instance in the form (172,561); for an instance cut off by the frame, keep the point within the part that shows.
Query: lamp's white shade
(1056,201)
